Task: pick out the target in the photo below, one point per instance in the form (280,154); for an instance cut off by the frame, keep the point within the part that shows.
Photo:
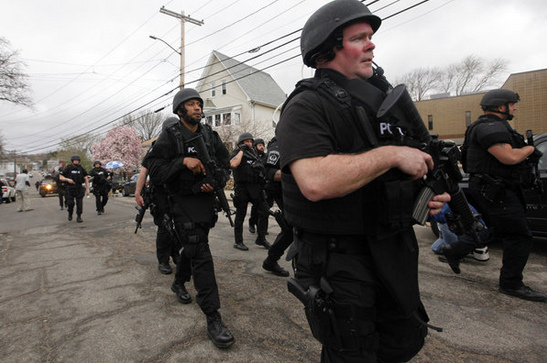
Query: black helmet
(326,20)
(184,95)
(258,141)
(75,157)
(499,97)
(96,162)
(244,136)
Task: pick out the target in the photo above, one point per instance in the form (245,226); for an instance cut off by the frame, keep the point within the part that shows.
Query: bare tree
(13,82)
(2,148)
(421,81)
(230,133)
(471,75)
(448,78)
(147,124)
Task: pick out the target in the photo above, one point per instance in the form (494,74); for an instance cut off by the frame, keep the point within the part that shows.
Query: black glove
(245,147)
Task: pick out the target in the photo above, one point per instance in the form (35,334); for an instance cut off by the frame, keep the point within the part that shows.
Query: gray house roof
(259,86)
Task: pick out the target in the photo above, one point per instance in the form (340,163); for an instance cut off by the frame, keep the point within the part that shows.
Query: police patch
(273,157)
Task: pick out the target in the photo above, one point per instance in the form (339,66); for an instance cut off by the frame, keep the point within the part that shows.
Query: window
(467,118)
(223,87)
(213,89)
(217,120)
(209,120)
(237,118)
(227,118)
(430,122)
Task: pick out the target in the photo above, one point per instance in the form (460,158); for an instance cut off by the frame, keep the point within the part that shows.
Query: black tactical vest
(382,206)
(478,160)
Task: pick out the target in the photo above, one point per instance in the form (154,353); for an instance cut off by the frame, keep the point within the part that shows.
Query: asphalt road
(91,292)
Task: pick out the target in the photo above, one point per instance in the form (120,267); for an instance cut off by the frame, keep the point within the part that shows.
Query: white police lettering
(273,157)
(250,162)
(191,150)
(387,129)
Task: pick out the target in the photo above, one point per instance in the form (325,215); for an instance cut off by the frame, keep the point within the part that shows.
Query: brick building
(450,116)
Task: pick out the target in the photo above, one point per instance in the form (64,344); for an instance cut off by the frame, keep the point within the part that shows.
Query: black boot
(182,294)
(69,216)
(218,332)
(165,268)
(79,219)
(271,265)
(241,246)
(263,242)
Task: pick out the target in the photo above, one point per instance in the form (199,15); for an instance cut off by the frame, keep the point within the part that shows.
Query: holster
(332,323)
(492,189)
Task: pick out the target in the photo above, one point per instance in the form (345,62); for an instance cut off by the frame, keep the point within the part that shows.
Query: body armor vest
(479,161)
(382,206)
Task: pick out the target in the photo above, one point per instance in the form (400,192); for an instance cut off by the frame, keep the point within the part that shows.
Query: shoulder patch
(273,157)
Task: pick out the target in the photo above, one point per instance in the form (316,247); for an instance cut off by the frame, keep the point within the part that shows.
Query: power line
(252,58)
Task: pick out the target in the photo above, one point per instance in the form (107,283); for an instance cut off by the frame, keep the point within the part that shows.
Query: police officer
(259,148)
(349,185)
(174,162)
(101,186)
(166,243)
(273,186)
(74,175)
(498,160)
(249,182)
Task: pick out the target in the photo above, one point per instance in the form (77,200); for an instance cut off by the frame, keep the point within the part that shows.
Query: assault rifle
(142,210)
(277,214)
(537,184)
(445,175)
(215,176)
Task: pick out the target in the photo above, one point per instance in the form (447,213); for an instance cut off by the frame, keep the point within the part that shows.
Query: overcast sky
(91,62)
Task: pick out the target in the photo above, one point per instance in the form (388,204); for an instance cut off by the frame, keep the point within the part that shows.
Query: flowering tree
(121,144)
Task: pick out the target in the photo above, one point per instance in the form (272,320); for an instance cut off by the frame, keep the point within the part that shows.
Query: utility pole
(182,19)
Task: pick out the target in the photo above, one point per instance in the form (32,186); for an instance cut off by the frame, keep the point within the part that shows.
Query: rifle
(215,177)
(445,175)
(277,214)
(142,210)
(537,184)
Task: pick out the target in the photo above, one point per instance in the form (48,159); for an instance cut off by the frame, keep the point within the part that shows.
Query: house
(239,98)
(449,116)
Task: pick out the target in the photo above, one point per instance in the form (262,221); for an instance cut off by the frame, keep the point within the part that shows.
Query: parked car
(47,186)
(8,191)
(128,187)
(117,183)
(536,203)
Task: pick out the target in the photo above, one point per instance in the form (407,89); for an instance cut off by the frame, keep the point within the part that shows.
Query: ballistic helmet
(258,141)
(328,18)
(244,136)
(499,97)
(96,162)
(75,157)
(184,95)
